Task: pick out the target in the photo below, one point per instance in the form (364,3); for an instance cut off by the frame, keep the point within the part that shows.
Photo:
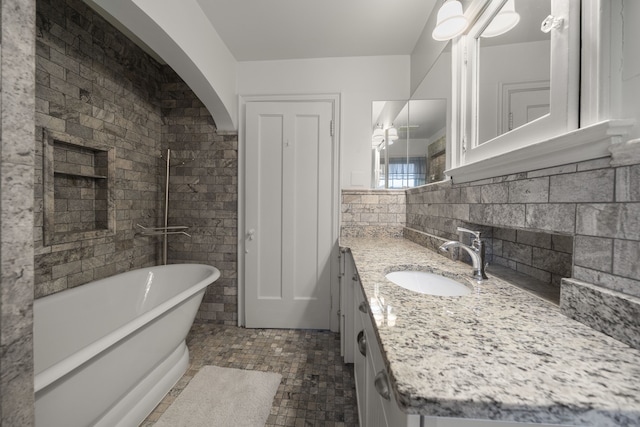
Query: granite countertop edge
(499,353)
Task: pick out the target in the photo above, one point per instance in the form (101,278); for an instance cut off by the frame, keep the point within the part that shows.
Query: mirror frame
(564,81)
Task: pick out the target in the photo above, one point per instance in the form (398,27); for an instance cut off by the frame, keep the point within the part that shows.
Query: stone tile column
(17,132)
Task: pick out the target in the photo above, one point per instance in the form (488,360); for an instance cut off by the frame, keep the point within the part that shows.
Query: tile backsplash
(546,257)
(373,213)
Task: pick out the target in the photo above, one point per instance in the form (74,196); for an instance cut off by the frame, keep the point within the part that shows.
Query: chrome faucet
(476,251)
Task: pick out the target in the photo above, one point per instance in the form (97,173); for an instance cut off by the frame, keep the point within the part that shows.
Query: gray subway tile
(558,218)
(481,213)
(628,184)
(509,215)
(460,211)
(616,220)
(588,187)
(540,240)
(554,262)
(508,234)
(626,258)
(594,252)
(497,247)
(517,252)
(562,243)
(529,191)
(470,195)
(495,193)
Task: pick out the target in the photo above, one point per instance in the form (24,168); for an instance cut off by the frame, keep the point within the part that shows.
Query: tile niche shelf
(78,189)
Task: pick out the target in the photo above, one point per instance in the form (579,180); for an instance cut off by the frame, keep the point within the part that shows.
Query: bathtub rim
(58,370)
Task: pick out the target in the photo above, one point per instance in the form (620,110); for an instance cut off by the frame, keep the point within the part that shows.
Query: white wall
(359,81)
(437,83)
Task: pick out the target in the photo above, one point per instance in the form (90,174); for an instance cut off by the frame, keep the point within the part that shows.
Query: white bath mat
(223,397)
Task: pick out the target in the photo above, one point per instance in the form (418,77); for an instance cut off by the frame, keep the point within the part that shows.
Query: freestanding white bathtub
(107,352)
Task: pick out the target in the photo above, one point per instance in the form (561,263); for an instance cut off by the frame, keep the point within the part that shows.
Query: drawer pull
(382,385)
(363,307)
(362,343)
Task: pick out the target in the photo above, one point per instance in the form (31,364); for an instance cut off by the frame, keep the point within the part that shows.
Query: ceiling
(257,30)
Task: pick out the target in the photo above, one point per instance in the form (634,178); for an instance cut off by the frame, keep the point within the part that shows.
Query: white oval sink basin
(428,283)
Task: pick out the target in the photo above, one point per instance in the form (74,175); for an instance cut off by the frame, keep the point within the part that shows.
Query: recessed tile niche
(78,189)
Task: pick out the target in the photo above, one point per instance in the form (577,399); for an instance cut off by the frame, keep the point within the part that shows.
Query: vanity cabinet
(377,406)
(348,282)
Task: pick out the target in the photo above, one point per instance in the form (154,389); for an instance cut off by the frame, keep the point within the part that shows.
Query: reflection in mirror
(419,155)
(408,142)
(514,70)
(385,142)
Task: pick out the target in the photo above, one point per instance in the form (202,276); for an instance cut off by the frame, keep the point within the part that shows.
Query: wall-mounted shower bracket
(164,232)
(160,231)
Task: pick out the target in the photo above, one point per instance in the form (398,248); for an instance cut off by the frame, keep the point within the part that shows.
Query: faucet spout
(476,252)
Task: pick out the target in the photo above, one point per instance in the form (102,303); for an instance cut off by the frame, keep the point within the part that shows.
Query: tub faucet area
(476,251)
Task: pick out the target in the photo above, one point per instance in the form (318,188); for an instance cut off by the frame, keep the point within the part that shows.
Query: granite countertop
(498,353)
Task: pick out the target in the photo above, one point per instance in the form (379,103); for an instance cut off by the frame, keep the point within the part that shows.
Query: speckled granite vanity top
(498,353)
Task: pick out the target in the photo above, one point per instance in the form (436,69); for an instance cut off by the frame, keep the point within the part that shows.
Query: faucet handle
(476,234)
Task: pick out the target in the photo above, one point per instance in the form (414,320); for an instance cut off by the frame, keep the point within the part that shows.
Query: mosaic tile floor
(317,388)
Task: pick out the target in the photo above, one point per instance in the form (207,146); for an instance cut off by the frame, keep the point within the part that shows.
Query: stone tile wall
(203,195)
(93,85)
(543,256)
(373,212)
(17,97)
(573,200)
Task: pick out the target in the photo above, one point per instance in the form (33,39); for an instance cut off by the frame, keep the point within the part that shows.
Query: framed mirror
(514,69)
(408,142)
(519,86)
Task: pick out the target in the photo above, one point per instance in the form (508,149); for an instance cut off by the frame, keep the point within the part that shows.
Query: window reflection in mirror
(408,142)
(419,155)
(514,71)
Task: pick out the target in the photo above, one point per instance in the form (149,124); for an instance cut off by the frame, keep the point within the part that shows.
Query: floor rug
(223,397)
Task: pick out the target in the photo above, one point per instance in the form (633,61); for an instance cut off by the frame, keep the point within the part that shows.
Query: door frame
(334,99)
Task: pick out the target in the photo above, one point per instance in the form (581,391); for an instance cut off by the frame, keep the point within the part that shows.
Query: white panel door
(288,215)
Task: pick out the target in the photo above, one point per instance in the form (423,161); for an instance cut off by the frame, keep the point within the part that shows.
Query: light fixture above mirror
(504,20)
(451,21)
(392,133)
(378,136)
